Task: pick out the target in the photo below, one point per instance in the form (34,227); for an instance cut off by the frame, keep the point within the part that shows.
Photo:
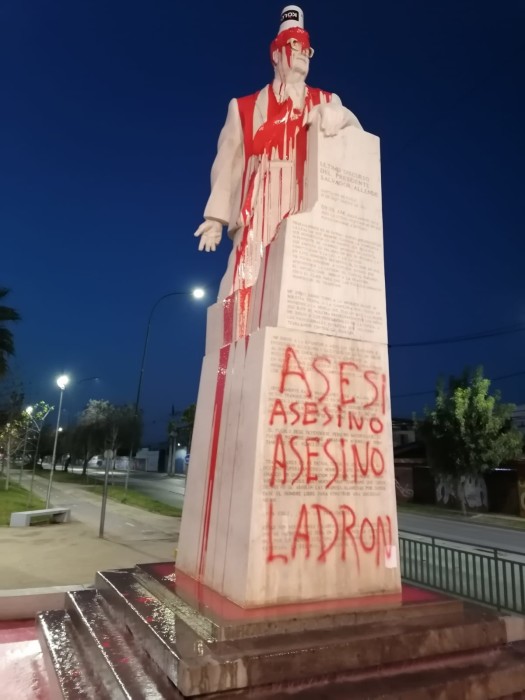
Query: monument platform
(149,633)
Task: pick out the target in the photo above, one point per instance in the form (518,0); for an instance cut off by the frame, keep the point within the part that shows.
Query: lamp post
(62,382)
(196,293)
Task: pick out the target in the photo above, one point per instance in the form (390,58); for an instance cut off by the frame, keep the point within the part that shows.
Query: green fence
(489,576)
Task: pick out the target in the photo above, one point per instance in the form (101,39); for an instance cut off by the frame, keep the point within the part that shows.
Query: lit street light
(62,382)
(197,293)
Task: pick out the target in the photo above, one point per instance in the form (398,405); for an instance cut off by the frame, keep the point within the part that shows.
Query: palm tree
(7,346)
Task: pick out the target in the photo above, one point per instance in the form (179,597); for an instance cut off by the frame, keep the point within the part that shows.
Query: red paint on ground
(22,670)
(215,605)
(17,631)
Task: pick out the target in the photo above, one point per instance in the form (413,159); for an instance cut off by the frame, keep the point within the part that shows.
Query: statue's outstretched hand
(210,233)
(332,118)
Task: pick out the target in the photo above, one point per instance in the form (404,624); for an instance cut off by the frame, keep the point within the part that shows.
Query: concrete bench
(55,515)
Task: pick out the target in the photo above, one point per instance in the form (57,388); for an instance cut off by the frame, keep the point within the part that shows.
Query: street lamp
(197,293)
(62,382)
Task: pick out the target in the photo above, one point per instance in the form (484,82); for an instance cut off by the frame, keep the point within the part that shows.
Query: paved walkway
(71,553)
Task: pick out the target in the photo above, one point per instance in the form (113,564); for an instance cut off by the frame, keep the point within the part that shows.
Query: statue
(290,495)
(269,125)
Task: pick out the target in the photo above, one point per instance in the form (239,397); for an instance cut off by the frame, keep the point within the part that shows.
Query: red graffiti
(302,377)
(312,413)
(320,531)
(304,460)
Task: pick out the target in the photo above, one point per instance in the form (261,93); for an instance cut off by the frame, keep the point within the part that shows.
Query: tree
(20,431)
(104,426)
(7,346)
(469,431)
(12,439)
(181,425)
(41,410)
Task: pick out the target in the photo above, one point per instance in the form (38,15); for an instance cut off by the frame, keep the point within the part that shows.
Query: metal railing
(486,575)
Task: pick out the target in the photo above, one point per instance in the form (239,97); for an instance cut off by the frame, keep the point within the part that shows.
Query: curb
(26,603)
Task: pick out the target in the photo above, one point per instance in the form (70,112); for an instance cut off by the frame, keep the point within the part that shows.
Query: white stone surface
(24,518)
(290,494)
(303,501)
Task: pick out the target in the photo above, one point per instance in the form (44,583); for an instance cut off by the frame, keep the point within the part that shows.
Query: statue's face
(292,65)
(291,53)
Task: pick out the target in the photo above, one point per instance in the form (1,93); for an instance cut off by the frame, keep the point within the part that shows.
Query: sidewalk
(71,553)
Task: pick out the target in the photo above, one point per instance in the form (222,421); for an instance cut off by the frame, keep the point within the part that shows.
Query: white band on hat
(291,16)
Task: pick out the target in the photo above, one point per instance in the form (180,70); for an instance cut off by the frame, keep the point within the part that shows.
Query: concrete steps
(137,637)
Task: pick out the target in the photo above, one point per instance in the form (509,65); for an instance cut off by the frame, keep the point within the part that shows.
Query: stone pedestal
(146,633)
(290,494)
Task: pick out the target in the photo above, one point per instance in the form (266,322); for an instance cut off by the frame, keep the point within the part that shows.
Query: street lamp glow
(29,410)
(62,381)
(198,293)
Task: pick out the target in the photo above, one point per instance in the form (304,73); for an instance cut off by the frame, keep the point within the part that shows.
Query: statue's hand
(332,118)
(210,233)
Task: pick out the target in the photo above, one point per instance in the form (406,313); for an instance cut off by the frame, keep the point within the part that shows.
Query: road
(161,487)
(171,490)
(461,558)
(469,533)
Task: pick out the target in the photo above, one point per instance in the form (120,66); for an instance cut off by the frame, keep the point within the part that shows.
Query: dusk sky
(109,122)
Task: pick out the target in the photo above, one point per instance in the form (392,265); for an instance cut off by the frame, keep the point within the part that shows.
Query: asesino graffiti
(347,372)
(345,461)
(326,426)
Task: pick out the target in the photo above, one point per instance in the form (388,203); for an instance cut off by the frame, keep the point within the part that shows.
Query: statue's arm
(349,117)
(333,116)
(218,208)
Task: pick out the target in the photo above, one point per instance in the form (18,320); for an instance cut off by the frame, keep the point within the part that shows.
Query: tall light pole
(62,382)
(196,293)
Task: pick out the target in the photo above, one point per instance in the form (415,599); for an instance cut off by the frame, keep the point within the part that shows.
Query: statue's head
(290,51)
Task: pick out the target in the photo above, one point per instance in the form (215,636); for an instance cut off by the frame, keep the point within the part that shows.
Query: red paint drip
(227,308)
(283,136)
(246,214)
(244,297)
(266,256)
(224,355)
(280,41)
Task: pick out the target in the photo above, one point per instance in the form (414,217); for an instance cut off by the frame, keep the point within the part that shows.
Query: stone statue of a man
(269,124)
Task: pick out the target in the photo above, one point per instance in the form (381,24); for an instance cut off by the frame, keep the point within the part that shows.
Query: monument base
(145,633)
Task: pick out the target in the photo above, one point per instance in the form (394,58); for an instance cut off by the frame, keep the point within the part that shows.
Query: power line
(494,333)
(433,391)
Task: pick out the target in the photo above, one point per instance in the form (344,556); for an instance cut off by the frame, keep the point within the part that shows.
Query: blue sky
(109,122)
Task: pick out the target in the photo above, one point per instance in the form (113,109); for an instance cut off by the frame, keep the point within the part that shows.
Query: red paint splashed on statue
(283,136)
(224,355)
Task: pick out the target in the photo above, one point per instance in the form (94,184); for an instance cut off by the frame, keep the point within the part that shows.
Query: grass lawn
(15,499)
(68,477)
(116,493)
(137,499)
